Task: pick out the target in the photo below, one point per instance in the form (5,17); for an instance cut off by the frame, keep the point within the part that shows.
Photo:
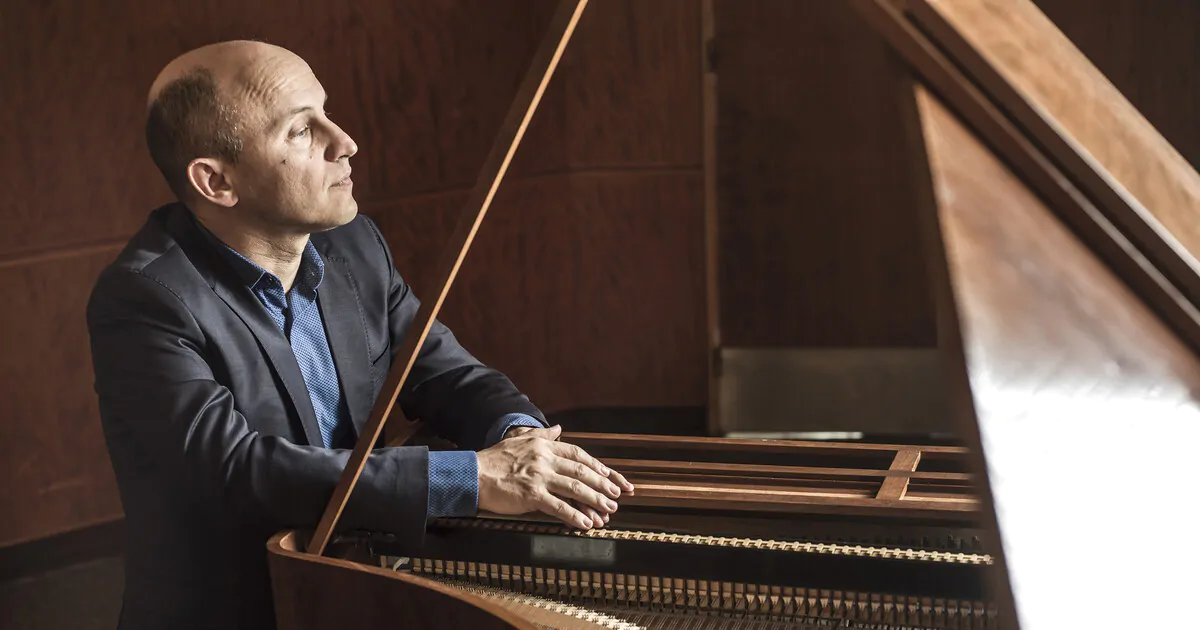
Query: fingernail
(612,506)
(604,469)
(585,522)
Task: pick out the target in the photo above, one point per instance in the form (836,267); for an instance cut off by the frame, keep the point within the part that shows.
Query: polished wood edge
(286,544)
(1116,203)
(796,502)
(864,486)
(784,472)
(764,445)
(523,107)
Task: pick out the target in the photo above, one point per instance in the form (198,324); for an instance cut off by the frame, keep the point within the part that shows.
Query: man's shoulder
(153,245)
(152,258)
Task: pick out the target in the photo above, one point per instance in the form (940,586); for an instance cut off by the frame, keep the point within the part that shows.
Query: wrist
(484,481)
(515,431)
(503,428)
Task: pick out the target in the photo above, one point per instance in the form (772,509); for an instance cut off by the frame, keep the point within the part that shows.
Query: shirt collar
(308,276)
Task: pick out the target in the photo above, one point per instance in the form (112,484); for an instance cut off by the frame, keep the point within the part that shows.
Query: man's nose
(343,146)
(350,147)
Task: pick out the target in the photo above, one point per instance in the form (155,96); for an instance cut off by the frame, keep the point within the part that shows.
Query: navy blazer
(210,429)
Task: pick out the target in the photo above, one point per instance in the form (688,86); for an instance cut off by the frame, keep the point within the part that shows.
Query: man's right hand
(533,472)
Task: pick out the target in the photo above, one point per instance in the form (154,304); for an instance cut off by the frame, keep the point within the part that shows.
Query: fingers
(570,451)
(580,471)
(598,519)
(569,488)
(621,481)
(564,511)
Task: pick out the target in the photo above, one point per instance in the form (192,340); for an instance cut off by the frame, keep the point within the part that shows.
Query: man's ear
(210,179)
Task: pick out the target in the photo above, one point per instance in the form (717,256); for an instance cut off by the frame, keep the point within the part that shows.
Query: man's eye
(300,133)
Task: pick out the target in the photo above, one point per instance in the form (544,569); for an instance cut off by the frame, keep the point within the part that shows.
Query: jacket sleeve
(164,412)
(459,397)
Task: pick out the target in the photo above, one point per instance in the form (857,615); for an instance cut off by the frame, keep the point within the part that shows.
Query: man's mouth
(345,181)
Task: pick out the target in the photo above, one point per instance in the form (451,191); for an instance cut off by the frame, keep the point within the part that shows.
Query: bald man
(240,340)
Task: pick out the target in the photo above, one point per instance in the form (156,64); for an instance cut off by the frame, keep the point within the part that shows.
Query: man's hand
(531,471)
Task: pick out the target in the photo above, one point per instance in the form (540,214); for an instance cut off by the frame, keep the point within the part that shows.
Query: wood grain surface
(650,443)
(776,472)
(586,288)
(1077,102)
(1152,272)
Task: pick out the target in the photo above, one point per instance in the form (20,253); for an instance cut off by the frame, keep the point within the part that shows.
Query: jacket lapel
(242,301)
(342,312)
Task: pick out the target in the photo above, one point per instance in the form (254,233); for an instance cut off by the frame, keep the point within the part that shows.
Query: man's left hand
(551,435)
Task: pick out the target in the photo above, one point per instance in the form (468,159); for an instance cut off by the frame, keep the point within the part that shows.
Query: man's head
(240,128)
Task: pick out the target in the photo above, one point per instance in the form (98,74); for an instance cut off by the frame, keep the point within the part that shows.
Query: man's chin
(343,215)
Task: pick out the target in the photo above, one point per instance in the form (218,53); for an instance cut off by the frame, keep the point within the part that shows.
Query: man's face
(294,170)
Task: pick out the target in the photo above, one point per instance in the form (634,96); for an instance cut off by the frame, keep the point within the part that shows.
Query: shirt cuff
(507,422)
(453,483)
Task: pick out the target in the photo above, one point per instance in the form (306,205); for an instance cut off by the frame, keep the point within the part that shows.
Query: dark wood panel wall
(586,284)
(818,241)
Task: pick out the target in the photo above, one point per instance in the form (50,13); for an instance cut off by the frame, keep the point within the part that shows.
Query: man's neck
(278,254)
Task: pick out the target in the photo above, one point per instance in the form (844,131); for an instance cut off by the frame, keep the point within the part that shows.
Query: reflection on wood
(1070,374)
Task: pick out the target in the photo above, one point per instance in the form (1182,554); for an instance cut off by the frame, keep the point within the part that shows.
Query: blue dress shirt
(453,475)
